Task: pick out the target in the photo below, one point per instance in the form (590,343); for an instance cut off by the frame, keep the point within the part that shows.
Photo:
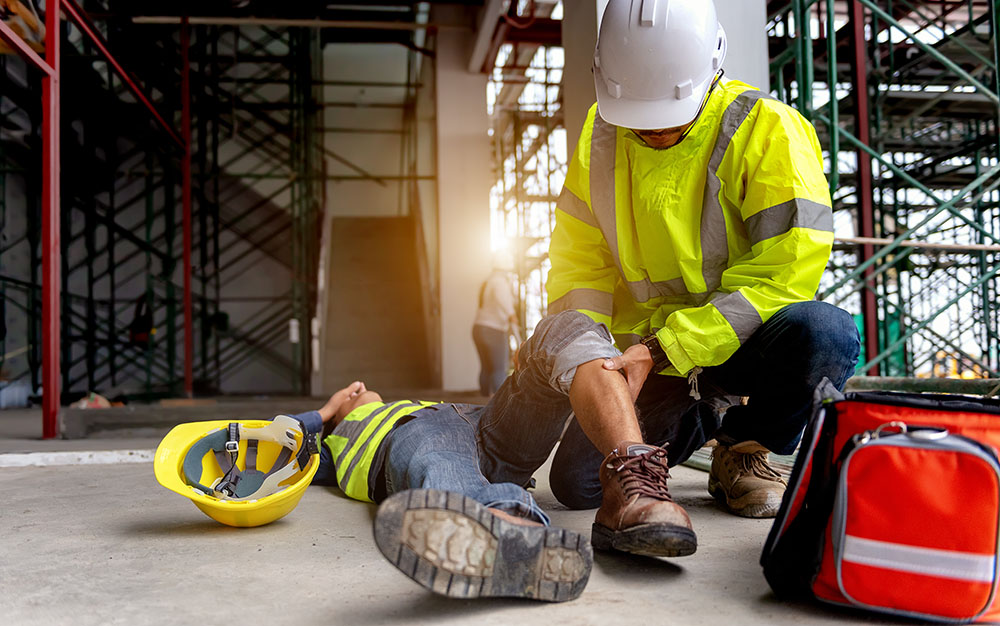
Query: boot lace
(755,463)
(645,474)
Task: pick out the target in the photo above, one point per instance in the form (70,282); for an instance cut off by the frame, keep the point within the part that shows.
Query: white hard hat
(655,60)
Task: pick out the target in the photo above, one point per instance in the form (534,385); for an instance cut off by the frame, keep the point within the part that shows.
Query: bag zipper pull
(861,439)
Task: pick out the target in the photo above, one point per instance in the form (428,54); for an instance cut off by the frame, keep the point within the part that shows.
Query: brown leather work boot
(637,514)
(743,482)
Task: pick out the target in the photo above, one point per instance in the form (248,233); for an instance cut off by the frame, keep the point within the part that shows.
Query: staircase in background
(375,328)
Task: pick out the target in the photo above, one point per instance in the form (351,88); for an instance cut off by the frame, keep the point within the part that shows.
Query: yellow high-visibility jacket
(701,242)
(356,444)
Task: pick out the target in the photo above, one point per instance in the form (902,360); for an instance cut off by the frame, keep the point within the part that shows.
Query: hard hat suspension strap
(251,455)
(309,446)
(231,478)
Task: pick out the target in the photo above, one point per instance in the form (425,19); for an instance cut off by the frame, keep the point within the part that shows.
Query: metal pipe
(8,35)
(943,27)
(262,347)
(915,329)
(916,183)
(82,22)
(112,345)
(931,51)
(186,199)
(371,131)
(51,245)
(202,244)
(995,36)
(807,57)
(216,122)
(3,287)
(296,23)
(831,79)
(864,175)
(975,386)
(292,176)
(947,206)
(278,79)
(879,241)
(149,295)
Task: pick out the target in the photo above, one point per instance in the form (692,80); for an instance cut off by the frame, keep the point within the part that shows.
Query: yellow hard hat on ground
(216,465)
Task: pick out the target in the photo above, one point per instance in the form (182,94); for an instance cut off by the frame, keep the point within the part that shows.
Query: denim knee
(326,473)
(574,474)
(826,324)
(573,494)
(827,332)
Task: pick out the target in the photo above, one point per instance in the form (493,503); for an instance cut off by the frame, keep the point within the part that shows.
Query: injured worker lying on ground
(456,516)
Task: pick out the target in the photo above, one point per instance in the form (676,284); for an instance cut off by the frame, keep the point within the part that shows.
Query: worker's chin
(661,143)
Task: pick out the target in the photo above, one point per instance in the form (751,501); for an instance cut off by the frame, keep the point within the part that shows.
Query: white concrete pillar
(745,22)
(579,36)
(463,160)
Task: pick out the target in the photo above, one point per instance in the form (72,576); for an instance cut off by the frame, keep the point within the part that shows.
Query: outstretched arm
(343,402)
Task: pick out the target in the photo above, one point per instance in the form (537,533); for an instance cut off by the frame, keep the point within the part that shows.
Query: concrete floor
(105,544)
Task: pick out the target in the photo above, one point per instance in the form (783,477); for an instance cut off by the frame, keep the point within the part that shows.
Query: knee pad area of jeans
(820,327)
(572,492)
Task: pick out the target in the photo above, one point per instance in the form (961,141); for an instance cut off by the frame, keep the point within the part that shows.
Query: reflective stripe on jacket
(703,241)
(355,444)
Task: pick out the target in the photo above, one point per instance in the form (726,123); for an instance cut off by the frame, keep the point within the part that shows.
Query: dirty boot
(637,514)
(456,547)
(743,482)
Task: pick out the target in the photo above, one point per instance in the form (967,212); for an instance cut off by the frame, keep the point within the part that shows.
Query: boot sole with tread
(646,539)
(453,546)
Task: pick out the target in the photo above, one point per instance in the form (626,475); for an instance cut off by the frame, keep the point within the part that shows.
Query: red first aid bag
(893,506)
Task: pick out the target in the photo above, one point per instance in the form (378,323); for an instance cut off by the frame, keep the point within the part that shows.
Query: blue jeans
(777,367)
(494,353)
(437,449)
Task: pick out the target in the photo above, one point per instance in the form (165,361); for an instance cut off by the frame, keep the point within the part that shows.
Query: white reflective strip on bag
(967,566)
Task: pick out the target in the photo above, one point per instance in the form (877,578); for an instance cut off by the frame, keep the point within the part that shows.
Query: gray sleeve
(587,347)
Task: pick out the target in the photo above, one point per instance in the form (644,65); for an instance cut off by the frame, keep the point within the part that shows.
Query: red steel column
(51,249)
(186,195)
(866,210)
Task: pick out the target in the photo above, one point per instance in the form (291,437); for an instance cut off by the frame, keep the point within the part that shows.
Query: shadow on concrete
(841,613)
(632,567)
(425,608)
(207,527)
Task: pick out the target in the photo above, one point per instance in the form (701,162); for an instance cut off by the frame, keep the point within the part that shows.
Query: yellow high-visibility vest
(701,242)
(356,440)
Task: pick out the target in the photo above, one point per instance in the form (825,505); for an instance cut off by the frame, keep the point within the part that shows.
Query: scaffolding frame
(86,352)
(910,131)
(530,157)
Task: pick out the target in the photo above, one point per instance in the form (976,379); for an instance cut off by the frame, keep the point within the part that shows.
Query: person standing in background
(496,320)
